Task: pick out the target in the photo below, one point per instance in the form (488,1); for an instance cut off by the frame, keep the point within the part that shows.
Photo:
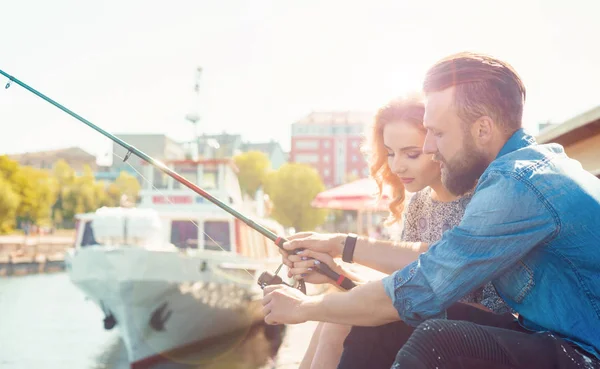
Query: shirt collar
(518,140)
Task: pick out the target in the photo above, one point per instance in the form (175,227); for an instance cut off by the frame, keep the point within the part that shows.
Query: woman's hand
(306,263)
(327,243)
(305,266)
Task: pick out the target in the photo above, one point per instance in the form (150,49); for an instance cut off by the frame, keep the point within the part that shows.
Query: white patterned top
(426,220)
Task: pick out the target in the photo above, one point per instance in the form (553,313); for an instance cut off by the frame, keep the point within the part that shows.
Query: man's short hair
(484,86)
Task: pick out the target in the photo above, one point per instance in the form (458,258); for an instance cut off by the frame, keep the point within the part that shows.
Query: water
(45,322)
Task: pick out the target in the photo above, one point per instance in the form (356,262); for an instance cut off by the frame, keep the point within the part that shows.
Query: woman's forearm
(386,256)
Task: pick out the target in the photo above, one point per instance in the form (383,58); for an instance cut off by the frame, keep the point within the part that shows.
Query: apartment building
(331,142)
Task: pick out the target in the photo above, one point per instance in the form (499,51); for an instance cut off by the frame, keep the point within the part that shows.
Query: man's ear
(483,130)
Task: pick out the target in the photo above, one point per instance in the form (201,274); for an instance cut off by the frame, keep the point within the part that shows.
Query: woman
(395,142)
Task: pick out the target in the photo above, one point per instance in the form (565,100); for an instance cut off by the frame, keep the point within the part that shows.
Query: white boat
(176,270)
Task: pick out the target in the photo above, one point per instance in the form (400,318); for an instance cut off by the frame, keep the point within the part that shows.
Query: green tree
(34,187)
(63,208)
(292,188)
(253,169)
(8,167)
(9,202)
(64,174)
(113,195)
(83,195)
(38,194)
(127,185)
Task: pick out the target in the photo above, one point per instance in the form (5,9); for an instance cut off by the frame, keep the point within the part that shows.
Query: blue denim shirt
(533,229)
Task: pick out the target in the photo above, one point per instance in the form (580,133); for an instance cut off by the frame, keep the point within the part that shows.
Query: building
(76,157)
(272,149)
(330,142)
(222,145)
(580,136)
(157,146)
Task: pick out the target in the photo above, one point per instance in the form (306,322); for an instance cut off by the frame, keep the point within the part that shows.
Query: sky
(130,66)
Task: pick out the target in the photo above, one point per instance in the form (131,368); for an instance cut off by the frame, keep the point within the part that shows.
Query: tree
(34,188)
(292,188)
(10,199)
(128,185)
(253,169)
(38,193)
(65,180)
(125,184)
(64,174)
(9,202)
(82,196)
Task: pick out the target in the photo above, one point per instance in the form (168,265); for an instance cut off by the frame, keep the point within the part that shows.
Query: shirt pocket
(516,283)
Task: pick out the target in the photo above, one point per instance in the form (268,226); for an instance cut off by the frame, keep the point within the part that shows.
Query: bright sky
(129,66)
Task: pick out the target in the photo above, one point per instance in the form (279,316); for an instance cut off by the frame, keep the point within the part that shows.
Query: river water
(45,322)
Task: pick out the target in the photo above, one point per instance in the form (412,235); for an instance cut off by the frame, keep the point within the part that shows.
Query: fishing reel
(268,279)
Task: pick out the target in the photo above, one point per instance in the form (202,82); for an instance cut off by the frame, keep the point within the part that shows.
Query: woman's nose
(398,167)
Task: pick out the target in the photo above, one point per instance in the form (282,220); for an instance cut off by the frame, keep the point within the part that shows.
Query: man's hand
(284,305)
(327,243)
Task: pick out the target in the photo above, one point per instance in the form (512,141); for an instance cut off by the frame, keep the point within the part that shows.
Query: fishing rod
(266,278)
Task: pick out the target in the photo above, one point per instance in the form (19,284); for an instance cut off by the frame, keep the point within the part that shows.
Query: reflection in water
(217,295)
(249,349)
(47,323)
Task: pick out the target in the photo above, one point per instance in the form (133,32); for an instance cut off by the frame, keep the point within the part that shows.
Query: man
(532,228)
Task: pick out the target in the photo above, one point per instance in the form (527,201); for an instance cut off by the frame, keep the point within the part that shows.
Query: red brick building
(330,142)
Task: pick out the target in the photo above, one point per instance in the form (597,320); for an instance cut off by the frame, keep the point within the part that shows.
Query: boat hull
(162,301)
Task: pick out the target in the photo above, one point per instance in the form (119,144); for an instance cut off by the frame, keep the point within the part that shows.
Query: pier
(38,254)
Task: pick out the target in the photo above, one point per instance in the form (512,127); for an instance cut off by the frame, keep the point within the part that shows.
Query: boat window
(184,234)
(160,179)
(189,172)
(210,179)
(88,235)
(216,235)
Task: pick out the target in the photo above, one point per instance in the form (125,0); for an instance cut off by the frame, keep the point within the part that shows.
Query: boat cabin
(184,219)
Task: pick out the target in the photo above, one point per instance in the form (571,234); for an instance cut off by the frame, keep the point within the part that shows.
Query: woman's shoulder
(464,200)
(418,200)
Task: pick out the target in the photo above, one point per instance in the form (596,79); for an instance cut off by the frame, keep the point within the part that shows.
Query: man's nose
(429,146)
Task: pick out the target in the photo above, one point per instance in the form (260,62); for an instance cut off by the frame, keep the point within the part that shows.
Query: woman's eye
(390,154)
(413,155)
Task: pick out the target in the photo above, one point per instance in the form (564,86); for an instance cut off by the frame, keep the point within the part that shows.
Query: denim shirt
(532,228)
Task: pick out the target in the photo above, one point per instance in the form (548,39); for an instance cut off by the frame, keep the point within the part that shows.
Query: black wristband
(349,246)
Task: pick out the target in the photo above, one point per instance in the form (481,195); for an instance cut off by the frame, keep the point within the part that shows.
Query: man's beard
(460,176)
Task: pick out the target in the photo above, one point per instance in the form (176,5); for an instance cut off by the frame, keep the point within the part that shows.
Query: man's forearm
(386,256)
(364,305)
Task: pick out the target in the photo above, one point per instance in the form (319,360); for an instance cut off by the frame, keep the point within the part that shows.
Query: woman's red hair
(410,109)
